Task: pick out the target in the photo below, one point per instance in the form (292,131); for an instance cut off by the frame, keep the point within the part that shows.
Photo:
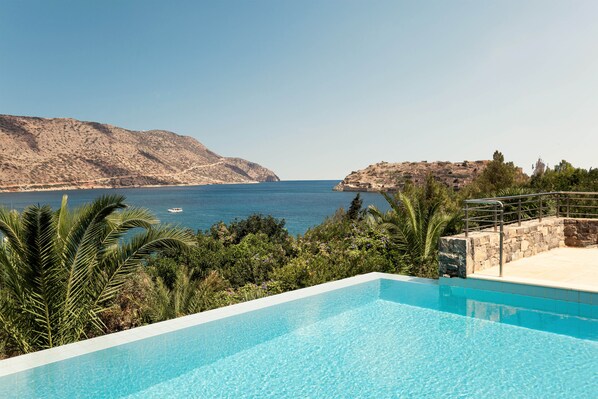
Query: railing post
(466,221)
(540,200)
(495,215)
(500,256)
(558,204)
(567,205)
(519,212)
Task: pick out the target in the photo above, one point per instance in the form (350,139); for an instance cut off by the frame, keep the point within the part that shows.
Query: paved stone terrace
(572,268)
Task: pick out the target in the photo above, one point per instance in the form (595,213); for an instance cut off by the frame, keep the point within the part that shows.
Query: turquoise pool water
(381,339)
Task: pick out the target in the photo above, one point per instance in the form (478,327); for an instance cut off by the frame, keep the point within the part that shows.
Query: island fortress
(63,153)
(386,176)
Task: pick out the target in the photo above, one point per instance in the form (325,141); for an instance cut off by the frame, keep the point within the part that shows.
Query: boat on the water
(175,210)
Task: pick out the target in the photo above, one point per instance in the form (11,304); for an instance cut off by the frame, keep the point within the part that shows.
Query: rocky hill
(386,176)
(59,153)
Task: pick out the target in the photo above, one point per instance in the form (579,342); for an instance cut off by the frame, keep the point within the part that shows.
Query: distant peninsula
(64,153)
(391,177)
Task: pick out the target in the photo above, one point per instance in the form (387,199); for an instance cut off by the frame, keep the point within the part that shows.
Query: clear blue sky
(316,89)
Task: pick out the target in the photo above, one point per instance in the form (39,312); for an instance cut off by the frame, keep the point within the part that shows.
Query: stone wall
(455,257)
(460,256)
(581,232)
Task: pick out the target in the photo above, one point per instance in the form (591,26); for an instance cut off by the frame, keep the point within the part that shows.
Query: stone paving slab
(573,268)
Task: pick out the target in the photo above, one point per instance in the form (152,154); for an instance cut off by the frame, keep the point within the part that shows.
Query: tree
(566,177)
(186,296)
(415,223)
(355,208)
(252,260)
(60,269)
(254,224)
(498,175)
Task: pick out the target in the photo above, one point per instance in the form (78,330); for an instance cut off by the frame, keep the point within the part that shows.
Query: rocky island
(386,176)
(63,153)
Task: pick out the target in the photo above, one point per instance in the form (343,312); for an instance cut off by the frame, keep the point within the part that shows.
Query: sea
(302,204)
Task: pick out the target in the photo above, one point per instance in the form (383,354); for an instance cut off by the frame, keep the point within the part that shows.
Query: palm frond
(40,268)
(414,224)
(79,257)
(122,262)
(58,269)
(10,228)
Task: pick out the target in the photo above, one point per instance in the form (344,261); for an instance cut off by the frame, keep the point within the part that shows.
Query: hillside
(44,154)
(386,176)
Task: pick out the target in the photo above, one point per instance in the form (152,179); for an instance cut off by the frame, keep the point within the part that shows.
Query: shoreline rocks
(384,176)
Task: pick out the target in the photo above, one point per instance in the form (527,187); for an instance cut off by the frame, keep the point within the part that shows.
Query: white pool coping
(47,356)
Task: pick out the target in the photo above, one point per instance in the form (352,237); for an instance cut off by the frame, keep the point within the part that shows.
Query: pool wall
(579,303)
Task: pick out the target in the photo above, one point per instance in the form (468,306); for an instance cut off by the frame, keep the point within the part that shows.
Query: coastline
(301,203)
(72,187)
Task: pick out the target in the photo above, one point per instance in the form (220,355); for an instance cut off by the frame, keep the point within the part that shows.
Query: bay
(303,204)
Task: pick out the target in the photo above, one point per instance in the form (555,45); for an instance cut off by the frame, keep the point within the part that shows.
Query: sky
(317,89)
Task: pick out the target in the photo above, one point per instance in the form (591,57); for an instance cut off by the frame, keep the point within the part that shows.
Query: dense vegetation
(60,270)
(68,275)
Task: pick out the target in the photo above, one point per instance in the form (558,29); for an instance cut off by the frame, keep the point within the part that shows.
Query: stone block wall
(455,257)
(460,256)
(531,238)
(581,232)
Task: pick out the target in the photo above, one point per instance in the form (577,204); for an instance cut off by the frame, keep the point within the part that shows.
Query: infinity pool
(381,338)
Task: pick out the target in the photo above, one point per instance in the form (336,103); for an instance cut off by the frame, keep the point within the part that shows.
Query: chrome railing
(496,221)
(491,214)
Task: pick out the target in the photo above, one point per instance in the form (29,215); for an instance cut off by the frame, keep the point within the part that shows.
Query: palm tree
(60,269)
(187,295)
(414,223)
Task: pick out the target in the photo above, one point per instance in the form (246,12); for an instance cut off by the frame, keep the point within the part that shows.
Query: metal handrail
(508,197)
(500,222)
(535,206)
(483,214)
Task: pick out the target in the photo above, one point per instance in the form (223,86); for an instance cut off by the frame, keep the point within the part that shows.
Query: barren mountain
(58,153)
(386,176)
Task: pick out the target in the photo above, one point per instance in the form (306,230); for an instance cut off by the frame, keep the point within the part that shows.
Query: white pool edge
(47,356)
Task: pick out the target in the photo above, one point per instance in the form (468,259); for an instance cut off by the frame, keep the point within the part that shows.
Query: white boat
(175,210)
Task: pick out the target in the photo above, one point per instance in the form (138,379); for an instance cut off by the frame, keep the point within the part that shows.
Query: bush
(132,306)
(252,260)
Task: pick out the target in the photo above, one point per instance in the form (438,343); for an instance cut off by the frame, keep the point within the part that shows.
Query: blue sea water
(303,204)
(381,339)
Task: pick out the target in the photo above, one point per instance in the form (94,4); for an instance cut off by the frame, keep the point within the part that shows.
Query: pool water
(381,339)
